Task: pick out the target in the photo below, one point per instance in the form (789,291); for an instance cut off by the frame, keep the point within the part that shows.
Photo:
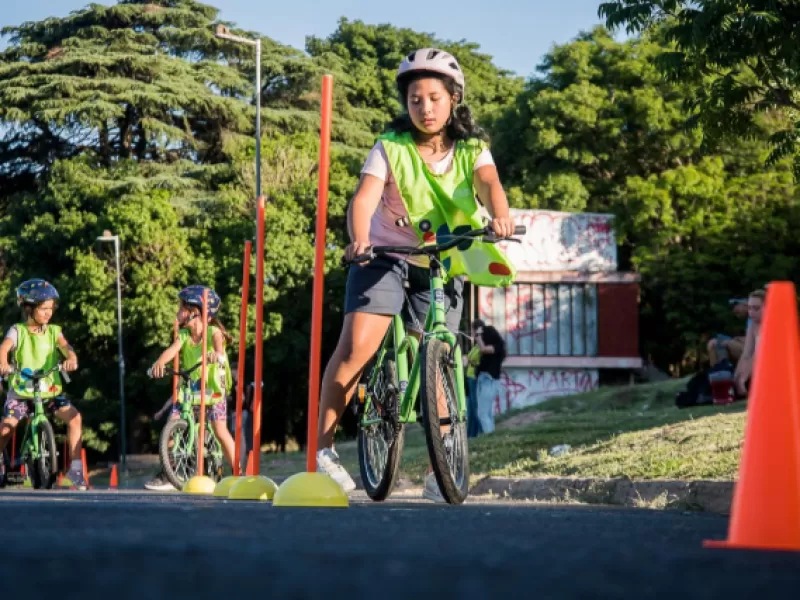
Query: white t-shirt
(384,230)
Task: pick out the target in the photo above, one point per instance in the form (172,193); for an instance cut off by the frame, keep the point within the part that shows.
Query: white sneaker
(431,489)
(328,462)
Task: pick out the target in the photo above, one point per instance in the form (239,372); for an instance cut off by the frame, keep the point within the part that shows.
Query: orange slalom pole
(237,461)
(259,337)
(85,466)
(201,438)
(176,365)
(319,273)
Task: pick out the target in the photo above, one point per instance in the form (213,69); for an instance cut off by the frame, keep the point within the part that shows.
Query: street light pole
(107,237)
(223,33)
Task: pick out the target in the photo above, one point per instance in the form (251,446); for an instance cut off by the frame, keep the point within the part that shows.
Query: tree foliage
(747,52)
(600,129)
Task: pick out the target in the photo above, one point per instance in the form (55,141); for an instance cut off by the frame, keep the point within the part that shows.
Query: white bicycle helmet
(432,60)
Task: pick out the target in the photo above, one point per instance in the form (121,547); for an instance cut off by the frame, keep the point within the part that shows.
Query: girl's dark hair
(461,126)
(216,323)
(492,337)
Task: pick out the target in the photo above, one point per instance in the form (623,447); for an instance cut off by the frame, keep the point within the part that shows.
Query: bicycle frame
(404,344)
(30,441)
(186,409)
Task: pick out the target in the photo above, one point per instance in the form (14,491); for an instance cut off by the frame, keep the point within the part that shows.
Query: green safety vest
(439,205)
(36,353)
(218,378)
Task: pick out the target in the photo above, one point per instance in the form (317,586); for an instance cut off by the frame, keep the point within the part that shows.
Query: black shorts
(378,287)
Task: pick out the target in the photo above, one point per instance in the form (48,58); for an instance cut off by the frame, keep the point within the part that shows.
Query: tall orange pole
(319,273)
(237,466)
(176,365)
(201,438)
(259,337)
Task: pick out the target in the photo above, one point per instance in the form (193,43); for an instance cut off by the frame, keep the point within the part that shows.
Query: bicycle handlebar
(38,375)
(184,373)
(452,241)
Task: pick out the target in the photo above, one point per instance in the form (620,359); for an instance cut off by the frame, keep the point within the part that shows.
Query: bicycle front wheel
(445,430)
(177,452)
(44,467)
(213,458)
(380,442)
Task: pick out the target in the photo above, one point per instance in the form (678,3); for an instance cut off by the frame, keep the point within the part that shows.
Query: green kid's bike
(177,445)
(387,396)
(38,450)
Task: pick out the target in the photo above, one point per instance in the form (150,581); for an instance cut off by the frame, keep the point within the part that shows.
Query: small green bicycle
(387,398)
(38,451)
(177,445)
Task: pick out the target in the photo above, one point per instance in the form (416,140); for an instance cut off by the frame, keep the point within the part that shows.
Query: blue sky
(515,32)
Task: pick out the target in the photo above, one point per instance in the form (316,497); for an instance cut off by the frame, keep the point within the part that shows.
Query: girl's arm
(71,363)
(485,348)
(360,211)
(5,348)
(218,343)
(491,193)
(165,358)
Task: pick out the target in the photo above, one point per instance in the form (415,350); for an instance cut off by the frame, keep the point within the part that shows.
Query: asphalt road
(123,545)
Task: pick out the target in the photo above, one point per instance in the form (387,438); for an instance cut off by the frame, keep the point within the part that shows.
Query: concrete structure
(569,314)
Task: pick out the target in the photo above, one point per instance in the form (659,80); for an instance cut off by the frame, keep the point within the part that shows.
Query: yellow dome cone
(311,490)
(224,486)
(199,485)
(255,487)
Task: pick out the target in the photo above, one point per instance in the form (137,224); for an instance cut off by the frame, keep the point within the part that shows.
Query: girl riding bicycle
(36,344)
(189,344)
(419,181)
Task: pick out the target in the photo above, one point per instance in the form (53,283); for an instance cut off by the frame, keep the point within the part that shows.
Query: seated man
(722,346)
(744,370)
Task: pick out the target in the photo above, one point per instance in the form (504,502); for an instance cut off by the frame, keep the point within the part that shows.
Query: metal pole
(121,361)
(258,118)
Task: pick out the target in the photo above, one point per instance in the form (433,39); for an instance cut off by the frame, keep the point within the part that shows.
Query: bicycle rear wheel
(445,431)
(44,468)
(177,452)
(380,445)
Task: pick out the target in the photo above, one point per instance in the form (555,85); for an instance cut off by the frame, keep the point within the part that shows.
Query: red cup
(722,388)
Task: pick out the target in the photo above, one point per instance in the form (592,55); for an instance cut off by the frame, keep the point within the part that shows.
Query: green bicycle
(387,396)
(177,445)
(38,451)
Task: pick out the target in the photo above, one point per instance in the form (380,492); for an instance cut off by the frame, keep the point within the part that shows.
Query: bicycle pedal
(362,393)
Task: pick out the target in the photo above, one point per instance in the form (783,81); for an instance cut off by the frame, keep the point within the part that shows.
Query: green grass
(633,432)
(626,431)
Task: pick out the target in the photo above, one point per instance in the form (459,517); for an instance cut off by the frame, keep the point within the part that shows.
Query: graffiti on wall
(543,319)
(558,241)
(525,387)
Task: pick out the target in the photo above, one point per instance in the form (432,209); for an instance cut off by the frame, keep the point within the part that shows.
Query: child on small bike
(218,375)
(36,344)
(419,181)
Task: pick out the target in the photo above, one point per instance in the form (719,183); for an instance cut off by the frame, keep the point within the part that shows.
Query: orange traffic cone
(114,483)
(22,470)
(764,513)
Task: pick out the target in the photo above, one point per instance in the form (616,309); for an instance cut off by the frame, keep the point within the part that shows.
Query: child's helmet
(35,291)
(193,295)
(432,60)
